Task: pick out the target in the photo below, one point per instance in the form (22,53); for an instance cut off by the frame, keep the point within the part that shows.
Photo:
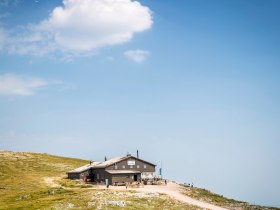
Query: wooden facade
(116,170)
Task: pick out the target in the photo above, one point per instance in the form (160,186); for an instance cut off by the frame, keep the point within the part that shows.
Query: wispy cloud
(137,56)
(11,84)
(2,37)
(100,23)
(4,15)
(9,3)
(110,58)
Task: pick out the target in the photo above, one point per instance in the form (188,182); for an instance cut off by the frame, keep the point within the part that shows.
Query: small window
(131,166)
(138,166)
(97,176)
(123,166)
(145,166)
(116,166)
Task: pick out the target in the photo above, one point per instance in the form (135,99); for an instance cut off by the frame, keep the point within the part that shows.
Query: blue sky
(192,84)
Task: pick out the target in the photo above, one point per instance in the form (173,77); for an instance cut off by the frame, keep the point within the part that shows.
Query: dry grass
(38,181)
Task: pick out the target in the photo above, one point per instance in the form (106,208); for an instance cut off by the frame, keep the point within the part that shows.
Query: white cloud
(137,55)
(11,84)
(81,26)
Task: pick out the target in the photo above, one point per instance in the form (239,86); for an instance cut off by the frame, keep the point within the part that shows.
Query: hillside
(38,181)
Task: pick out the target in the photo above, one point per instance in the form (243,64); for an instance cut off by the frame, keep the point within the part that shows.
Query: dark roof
(117,160)
(110,162)
(106,163)
(83,168)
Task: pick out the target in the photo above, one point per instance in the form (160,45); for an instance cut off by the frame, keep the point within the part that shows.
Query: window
(138,166)
(116,166)
(131,166)
(145,166)
(123,166)
(97,176)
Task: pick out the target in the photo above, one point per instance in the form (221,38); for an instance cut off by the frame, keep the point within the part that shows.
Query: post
(107,183)
(160,170)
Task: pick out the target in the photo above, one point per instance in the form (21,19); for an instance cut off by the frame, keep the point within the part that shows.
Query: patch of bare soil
(50,181)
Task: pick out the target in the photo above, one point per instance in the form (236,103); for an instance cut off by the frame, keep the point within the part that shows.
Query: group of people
(154,181)
(145,181)
(189,185)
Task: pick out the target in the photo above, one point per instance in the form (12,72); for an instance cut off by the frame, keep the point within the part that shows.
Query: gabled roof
(117,160)
(106,163)
(84,168)
(144,161)
(110,162)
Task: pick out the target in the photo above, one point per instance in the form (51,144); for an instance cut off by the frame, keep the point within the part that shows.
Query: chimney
(137,154)
(105,159)
(128,154)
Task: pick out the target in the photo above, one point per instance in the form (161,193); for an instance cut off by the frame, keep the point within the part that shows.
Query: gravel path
(172,190)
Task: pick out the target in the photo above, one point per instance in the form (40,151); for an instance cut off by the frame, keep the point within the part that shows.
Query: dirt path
(172,190)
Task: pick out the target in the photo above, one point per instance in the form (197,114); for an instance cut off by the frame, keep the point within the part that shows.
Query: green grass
(23,175)
(219,200)
(38,181)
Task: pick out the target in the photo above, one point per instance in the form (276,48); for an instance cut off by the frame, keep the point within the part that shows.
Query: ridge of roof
(115,160)
(106,163)
(110,161)
(84,167)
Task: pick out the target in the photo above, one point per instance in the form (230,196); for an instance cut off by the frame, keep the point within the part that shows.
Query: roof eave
(128,158)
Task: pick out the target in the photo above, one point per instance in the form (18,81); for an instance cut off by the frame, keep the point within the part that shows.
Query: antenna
(137,154)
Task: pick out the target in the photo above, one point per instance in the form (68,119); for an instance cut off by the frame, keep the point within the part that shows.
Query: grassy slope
(219,200)
(23,176)
(37,181)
